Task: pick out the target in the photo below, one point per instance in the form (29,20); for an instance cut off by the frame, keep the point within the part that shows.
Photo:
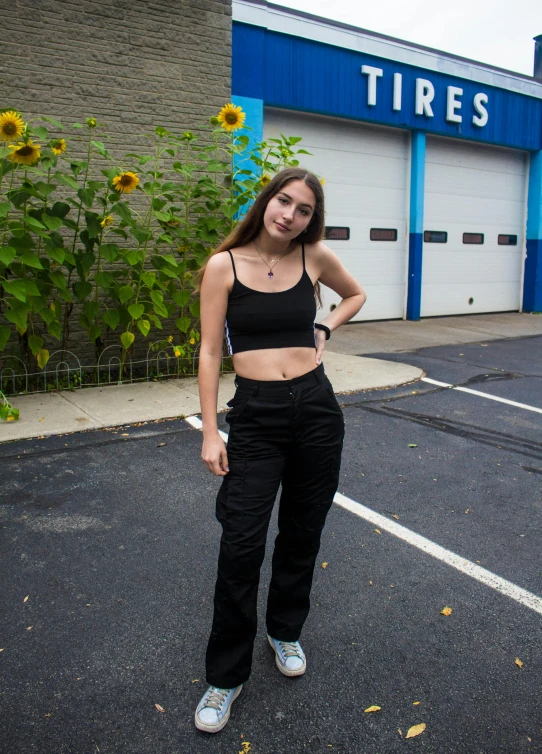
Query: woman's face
(289,212)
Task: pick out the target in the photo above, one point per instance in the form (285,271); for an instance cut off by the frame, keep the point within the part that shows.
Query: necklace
(276,261)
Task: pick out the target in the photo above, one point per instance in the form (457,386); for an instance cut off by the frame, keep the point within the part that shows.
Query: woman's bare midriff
(274,363)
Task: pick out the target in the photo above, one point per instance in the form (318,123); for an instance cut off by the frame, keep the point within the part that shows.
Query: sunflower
(108,220)
(231,118)
(58,146)
(125,182)
(25,154)
(11,126)
(265,179)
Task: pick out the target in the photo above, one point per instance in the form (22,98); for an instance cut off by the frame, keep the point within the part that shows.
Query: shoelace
(291,649)
(216,698)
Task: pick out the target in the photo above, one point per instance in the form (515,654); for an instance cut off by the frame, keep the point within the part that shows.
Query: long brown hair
(252,223)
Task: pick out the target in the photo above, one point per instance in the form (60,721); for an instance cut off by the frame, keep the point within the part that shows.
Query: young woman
(261,286)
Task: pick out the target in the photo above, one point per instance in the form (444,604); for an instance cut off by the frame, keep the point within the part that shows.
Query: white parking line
(528,599)
(440,553)
(482,395)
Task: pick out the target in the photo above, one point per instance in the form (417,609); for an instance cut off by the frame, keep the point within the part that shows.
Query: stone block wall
(131,64)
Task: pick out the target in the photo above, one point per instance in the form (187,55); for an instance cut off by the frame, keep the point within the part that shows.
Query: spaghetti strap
(232,264)
(303,253)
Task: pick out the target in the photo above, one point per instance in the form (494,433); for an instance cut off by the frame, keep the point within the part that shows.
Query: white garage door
(476,195)
(365,172)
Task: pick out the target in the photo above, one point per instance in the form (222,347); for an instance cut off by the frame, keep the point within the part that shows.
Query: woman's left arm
(334,275)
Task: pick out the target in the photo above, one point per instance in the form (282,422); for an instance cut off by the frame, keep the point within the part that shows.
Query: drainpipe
(537,73)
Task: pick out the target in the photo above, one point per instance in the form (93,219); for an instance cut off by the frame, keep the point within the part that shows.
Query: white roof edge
(279,20)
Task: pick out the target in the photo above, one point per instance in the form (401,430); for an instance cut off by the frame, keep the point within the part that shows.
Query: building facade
(432,163)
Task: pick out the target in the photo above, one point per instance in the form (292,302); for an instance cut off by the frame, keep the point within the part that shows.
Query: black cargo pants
(289,432)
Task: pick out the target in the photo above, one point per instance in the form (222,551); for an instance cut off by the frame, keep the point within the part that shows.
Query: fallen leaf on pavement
(196,680)
(161,444)
(412,445)
(400,732)
(125,434)
(29,628)
(446,611)
(325,565)
(415,702)
(518,662)
(415,730)
(377,531)
(42,418)
(159,708)
(374,708)
(26,598)
(394,515)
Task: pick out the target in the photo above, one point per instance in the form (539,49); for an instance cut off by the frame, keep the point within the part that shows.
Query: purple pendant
(269,274)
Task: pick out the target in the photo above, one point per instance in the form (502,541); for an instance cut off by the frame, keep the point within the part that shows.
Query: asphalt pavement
(109,558)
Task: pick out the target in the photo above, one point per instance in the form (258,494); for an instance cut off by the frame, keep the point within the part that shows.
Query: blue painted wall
(532,281)
(300,74)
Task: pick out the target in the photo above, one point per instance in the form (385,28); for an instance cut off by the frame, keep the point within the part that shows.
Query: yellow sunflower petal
(25,153)
(58,146)
(11,126)
(231,117)
(126,182)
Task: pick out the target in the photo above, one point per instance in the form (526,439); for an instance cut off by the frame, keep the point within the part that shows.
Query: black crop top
(257,319)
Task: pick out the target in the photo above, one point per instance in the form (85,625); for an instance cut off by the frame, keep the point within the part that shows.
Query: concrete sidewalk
(95,408)
(68,411)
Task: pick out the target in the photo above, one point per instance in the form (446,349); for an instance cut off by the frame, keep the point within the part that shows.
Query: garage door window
(435,236)
(507,240)
(383,234)
(334,233)
(475,238)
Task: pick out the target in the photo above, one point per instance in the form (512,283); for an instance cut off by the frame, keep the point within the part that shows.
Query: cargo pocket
(237,405)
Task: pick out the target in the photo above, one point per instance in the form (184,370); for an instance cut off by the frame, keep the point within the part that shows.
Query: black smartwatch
(324,328)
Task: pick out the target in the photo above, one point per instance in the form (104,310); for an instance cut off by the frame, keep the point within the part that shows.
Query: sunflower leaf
(125,293)
(7,255)
(56,123)
(16,288)
(35,343)
(43,357)
(66,180)
(31,260)
(100,147)
(123,211)
(5,332)
(52,222)
(40,131)
(127,338)
(59,209)
(111,318)
(144,327)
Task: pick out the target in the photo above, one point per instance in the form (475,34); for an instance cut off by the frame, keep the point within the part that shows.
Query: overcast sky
(498,32)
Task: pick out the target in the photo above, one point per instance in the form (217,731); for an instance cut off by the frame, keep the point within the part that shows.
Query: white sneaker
(213,711)
(289,657)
